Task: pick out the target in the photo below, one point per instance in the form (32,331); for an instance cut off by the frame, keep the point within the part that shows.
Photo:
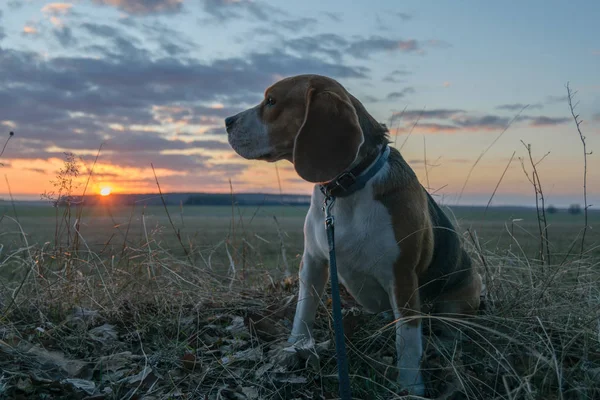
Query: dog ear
(329,138)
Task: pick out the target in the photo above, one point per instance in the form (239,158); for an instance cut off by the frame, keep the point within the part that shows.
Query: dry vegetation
(140,322)
(106,305)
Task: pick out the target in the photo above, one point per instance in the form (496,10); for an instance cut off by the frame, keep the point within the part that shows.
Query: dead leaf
(87,386)
(142,375)
(53,359)
(25,385)
(104,334)
(250,392)
(190,362)
(238,328)
(252,354)
(262,369)
(263,326)
(82,317)
(293,379)
(117,361)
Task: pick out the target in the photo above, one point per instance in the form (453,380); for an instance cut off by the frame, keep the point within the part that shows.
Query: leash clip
(327,206)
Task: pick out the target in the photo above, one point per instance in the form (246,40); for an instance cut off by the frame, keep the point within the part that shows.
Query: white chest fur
(366,247)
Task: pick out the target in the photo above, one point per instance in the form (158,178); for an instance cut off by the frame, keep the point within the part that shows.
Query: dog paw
(304,351)
(411,385)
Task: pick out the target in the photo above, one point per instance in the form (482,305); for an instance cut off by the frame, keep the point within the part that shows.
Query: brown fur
(314,124)
(329,138)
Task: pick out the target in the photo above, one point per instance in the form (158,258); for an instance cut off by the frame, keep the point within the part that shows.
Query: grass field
(107,230)
(133,311)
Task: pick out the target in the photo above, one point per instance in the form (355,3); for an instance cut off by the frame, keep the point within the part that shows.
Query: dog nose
(229,121)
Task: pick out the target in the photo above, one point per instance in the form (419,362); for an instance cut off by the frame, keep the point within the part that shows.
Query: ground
(195,304)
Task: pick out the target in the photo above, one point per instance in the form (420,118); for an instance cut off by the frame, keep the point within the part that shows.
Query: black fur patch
(450,266)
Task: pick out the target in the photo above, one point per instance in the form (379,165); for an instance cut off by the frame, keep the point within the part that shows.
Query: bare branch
(570,97)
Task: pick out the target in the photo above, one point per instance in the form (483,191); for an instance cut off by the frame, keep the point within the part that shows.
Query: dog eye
(270,101)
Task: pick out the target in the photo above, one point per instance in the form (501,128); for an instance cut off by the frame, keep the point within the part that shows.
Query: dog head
(310,120)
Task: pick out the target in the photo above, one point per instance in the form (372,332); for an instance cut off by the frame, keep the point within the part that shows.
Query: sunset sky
(153,80)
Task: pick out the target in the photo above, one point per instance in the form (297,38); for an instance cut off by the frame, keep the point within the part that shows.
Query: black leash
(338,328)
(344,185)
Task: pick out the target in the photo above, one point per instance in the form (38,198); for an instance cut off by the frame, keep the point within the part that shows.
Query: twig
(10,135)
(486,150)
(232,228)
(169,215)
(181,212)
(283,252)
(412,129)
(127,233)
(12,200)
(425,163)
(498,184)
(540,208)
(231,266)
(578,122)
(398,125)
(151,271)
(80,205)
(279,182)
(31,267)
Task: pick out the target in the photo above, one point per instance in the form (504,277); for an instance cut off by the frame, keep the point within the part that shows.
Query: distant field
(204,228)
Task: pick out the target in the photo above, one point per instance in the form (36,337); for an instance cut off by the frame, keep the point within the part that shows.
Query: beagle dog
(395,248)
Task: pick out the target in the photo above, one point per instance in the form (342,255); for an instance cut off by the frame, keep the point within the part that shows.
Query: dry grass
(144,323)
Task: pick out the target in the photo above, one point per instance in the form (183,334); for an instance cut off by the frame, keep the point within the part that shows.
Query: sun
(105,191)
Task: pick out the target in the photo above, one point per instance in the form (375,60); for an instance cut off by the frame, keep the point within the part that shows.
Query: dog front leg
(313,277)
(405,301)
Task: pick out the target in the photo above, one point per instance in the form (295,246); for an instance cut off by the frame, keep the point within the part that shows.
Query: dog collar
(351,181)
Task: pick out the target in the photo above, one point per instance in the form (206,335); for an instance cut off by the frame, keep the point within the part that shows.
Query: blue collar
(352,181)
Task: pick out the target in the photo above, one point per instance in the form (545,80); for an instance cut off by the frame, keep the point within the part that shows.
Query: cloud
(434,128)
(452,121)
(364,48)
(441,44)
(135,99)
(144,7)
(596,117)
(29,30)
(2,34)
(57,8)
(486,122)
(401,94)
(14,4)
(440,113)
(403,16)
(171,42)
(543,121)
(102,30)
(224,10)
(519,106)
(337,47)
(328,44)
(390,18)
(556,99)
(65,36)
(396,75)
(336,17)
(296,24)
(36,170)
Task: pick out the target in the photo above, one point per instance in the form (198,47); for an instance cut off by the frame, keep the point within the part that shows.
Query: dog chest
(366,247)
